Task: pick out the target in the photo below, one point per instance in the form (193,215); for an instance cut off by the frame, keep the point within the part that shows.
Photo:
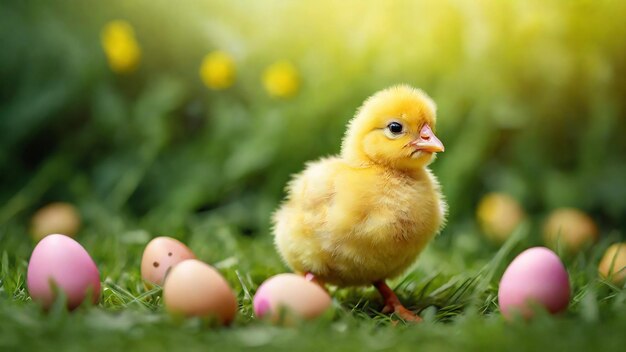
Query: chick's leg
(392,303)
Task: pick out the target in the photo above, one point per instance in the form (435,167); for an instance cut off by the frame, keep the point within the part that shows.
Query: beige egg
(498,215)
(290,294)
(569,228)
(613,263)
(55,218)
(161,254)
(194,288)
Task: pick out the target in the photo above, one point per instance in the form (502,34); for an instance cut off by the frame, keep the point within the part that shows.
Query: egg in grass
(58,217)
(570,229)
(535,278)
(286,297)
(613,264)
(498,215)
(196,289)
(59,264)
(159,256)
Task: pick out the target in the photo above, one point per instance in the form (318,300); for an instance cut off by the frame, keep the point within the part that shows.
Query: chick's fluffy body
(365,215)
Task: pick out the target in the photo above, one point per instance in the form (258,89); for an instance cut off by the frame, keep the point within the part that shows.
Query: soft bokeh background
(531,98)
(187,118)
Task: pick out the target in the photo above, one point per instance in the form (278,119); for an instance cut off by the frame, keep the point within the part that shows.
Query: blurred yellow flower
(218,70)
(120,46)
(281,79)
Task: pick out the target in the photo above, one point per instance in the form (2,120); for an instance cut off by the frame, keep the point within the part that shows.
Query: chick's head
(394,127)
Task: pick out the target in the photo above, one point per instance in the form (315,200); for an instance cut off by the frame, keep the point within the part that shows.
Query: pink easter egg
(292,293)
(60,261)
(535,277)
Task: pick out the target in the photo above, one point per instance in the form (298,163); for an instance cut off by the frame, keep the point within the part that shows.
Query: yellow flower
(218,70)
(120,46)
(281,79)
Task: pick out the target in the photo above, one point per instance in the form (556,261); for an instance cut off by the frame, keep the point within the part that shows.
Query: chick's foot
(308,276)
(393,304)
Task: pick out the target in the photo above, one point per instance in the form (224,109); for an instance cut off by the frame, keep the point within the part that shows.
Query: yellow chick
(363,216)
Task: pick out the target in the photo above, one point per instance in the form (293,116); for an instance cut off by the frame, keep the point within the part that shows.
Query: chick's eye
(395,127)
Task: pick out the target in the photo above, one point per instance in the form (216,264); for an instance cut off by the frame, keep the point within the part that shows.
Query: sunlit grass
(459,305)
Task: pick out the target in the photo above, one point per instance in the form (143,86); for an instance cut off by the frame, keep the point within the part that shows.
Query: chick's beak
(427,141)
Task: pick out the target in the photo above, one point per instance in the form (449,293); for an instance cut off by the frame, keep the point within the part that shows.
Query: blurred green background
(186,119)
(531,101)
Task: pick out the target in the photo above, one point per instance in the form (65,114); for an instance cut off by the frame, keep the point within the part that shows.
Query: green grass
(453,285)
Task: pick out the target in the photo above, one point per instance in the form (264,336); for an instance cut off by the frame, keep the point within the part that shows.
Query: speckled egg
(161,254)
(194,288)
(613,263)
(535,277)
(570,229)
(55,218)
(61,261)
(292,294)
